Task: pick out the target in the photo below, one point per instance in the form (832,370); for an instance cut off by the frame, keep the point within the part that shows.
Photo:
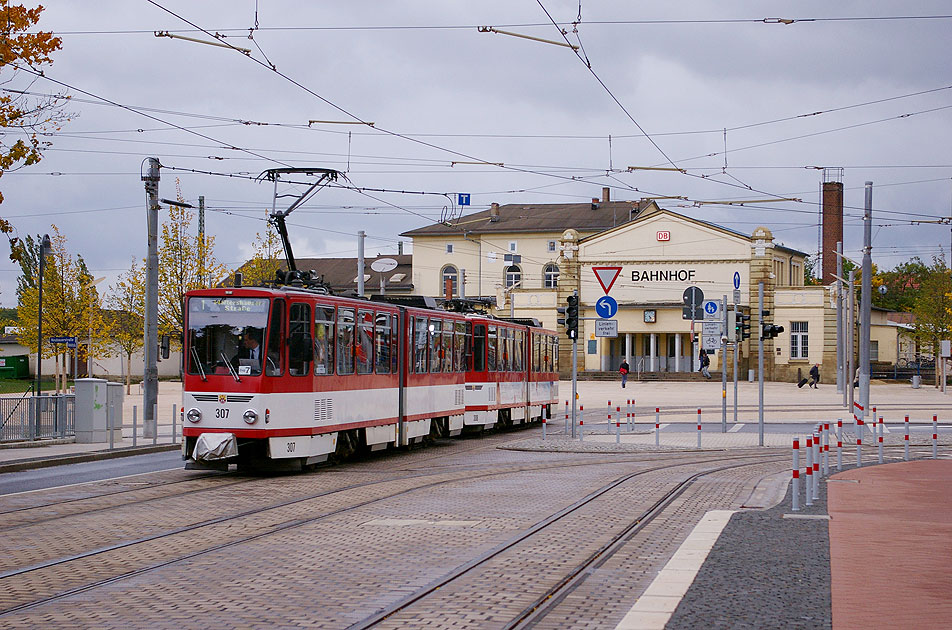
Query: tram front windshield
(226,335)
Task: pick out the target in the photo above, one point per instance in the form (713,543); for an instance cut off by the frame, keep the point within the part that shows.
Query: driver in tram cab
(248,358)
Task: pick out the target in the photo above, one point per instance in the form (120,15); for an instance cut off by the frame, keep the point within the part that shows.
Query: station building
(528,258)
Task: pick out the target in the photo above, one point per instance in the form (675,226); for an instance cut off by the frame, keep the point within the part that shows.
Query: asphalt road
(57,476)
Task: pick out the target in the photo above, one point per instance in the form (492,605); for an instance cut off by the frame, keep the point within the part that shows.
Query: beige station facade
(528,259)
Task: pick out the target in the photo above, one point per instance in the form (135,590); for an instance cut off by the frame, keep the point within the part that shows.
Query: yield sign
(606,276)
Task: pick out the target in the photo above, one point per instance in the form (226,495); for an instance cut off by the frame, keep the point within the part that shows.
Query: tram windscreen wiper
(198,362)
(231,369)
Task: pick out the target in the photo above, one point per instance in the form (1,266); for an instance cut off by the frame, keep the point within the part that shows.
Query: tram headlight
(194,415)
(250,416)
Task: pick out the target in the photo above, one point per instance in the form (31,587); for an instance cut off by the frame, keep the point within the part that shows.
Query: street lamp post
(45,248)
(89,344)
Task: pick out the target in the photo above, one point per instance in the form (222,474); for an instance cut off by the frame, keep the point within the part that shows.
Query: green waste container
(17,366)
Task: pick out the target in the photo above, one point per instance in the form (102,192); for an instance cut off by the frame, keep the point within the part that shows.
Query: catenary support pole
(150,377)
(866,301)
(760,364)
(840,364)
(723,362)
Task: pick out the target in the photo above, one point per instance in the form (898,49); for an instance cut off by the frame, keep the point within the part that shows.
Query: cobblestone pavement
(335,546)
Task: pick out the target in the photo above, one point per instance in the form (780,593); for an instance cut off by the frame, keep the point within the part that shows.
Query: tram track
(556,593)
(120,570)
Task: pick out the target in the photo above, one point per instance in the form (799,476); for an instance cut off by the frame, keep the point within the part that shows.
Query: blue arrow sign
(736,279)
(606,307)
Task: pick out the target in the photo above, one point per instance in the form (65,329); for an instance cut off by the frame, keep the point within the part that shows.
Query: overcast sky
(438,91)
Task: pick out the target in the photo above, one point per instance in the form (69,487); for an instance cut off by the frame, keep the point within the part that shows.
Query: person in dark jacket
(705,364)
(815,376)
(624,369)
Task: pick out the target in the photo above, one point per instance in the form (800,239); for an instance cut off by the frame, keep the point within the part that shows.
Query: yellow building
(529,258)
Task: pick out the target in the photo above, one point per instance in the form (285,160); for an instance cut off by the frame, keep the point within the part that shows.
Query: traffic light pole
(724,369)
(760,366)
(574,383)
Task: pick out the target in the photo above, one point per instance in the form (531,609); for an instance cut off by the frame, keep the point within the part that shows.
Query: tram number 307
(291,446)
(221,413)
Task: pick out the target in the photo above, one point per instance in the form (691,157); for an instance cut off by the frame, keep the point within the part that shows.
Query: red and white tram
(289,375)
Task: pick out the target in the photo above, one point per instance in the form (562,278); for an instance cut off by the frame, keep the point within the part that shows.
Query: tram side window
(436,351)
(546,341)
(274,364)
(345,341)
(447,346)
(459,351)
(382,347)
(555,354)
(323,339)
(479,348)
(420,364)
(505,349)
(364,348)
(491,349)
(519,351)
(300,349)
(395,344)
(535,353)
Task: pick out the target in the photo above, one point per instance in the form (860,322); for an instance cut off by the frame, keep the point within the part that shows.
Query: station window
(345,341)
(550,276)
(513,275)
(323,339)
(300,348)
(799,340)
(449,274)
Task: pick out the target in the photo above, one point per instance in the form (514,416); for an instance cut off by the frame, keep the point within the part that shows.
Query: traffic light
(770,331)
(571,317)
(742,326)
(732,326)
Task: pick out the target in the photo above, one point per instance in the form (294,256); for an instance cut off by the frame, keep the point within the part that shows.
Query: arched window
(550,276)
(513,275)
(449,273)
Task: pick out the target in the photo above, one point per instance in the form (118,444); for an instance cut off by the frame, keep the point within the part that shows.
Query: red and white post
(617,423)
(905,439)
(882,428)
(795,491)
(657,426)
(809,487)
(581,423)
(817,446)
(699,428)
(839,443)
(935,437)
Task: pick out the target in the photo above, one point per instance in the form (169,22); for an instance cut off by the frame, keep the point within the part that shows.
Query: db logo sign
(664,236)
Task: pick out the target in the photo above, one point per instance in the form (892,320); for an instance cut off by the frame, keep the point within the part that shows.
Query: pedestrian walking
(624,369)
(705,363)
(815,376)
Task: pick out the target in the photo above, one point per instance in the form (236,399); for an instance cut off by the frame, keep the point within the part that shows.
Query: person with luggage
(624,369)
(815,376)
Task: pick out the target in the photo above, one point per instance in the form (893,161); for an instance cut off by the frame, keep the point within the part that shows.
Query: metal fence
(33,417)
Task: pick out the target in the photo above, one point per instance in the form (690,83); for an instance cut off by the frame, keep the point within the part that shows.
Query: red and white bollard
(826,449)
(617,424)
(816,464)
(935,437)
(882,428)
(581,423)
(905,440)
(809,487)
(657,426)
(566,417)
(795,491)
(859,440)
(543,425)
(699,428)
(839,443)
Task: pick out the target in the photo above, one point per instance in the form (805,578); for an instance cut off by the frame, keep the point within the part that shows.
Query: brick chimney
(832,222)
(606,194)
(494,212)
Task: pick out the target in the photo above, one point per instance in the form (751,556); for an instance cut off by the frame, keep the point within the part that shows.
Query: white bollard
(879,423)
(581,423)
(566,417)
(826,449)
(858,424)
(816,465)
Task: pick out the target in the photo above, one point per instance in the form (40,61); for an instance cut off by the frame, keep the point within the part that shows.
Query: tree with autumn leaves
(25,119)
